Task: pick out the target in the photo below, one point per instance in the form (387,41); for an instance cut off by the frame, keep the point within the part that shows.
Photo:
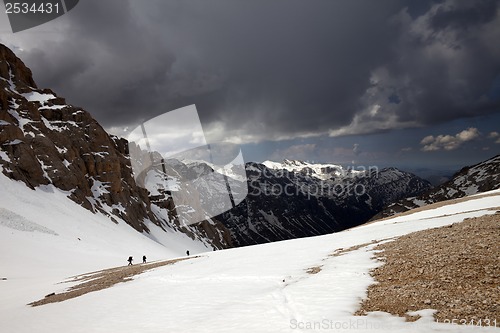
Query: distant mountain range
(44,141)
(296,199)
(482,177)
(435,176)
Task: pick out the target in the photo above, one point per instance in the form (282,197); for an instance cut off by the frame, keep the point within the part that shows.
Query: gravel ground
(454,270)
(101,280)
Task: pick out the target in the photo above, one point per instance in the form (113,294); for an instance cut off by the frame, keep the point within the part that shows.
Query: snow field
(236,290)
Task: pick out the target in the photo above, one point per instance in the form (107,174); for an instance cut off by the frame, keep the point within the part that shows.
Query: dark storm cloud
(106,62)
(438,72)
(275,69)
(464,14)
(451,62)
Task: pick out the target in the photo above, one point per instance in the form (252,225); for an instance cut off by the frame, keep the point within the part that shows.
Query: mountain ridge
(45,141)
(481,177)
(299,199)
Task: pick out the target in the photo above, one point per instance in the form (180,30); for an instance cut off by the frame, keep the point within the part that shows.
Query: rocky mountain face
(297,199)
(46,141)
(482,177)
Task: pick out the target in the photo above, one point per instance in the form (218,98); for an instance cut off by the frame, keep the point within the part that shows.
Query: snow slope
(263,288)
(45,237)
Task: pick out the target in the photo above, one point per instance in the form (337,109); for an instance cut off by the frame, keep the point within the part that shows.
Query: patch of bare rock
(100,280)
(454,270)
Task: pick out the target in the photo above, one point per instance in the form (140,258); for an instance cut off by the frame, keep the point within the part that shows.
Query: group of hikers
(130,259)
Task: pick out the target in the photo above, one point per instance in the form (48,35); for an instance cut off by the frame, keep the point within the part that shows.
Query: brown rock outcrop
(50,142)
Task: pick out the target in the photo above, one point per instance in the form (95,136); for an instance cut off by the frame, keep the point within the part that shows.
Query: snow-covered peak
(298,165)
(317,170)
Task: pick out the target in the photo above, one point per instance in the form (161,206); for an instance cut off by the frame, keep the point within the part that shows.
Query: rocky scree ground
(454,270)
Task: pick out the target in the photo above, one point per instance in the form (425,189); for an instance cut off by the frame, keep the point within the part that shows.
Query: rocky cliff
(45,141)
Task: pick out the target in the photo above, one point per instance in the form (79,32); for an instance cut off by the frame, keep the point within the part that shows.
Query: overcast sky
(405,83)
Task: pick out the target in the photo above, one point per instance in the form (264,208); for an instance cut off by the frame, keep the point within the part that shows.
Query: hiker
(187,252)
(130,261)
(143,259)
